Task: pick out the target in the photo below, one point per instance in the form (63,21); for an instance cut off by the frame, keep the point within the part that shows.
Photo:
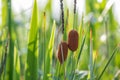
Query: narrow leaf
(113,53)
(32,55)
(49,53)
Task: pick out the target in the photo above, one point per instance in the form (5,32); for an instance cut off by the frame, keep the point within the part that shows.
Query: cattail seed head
(62,15)
(73,40)
(62,52)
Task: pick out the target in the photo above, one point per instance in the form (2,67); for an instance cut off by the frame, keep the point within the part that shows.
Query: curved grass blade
(113,53)
(81,49)
(32,56)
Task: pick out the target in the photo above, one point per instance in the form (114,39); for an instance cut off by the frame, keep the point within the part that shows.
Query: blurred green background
(103,16)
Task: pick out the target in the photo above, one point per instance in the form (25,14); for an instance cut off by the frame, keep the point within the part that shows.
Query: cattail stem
(10,58)
(73,69)
(62,15)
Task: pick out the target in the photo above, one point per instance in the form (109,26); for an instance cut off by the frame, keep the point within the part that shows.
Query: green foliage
(4,13)
(49,53)
(93,60)
(32,56)
(16,65)
(10,57)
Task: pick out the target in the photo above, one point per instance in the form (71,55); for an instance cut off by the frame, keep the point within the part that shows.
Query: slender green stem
(91,56)
(82,45)
(94,64)
(115,50)
(107,40)
(59,71)
(11,44)
(44,43)
(44,53)
(74,22)
(73,68)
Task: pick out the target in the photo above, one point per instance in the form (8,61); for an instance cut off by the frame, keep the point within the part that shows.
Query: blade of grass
(81,49)
(91,57)
(16,64)
(113,53)
(41,41)
(81,39)
(49,54)
(57,70)
(44,45)
(73,66)
(107,38)
(32,55)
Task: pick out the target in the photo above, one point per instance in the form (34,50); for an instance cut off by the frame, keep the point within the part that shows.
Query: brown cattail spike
(73,40)
(62,52)
(62,15)
(75,2)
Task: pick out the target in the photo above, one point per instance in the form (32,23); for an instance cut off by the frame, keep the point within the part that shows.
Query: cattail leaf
(16,64)
(81,49)
(32,56)
(49,54)
(10,57)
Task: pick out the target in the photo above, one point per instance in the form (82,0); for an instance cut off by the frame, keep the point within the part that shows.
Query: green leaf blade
(32,56)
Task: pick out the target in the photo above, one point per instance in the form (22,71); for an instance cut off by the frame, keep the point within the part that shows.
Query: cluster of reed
(73,37)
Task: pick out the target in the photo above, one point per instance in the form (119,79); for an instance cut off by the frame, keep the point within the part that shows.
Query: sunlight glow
(19,5)
(56,10)
(103,38)
(116,10)
(100,1)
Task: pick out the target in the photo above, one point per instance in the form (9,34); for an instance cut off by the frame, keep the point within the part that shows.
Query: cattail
(62,52)
(75,2)
(73,40)
(62,15)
